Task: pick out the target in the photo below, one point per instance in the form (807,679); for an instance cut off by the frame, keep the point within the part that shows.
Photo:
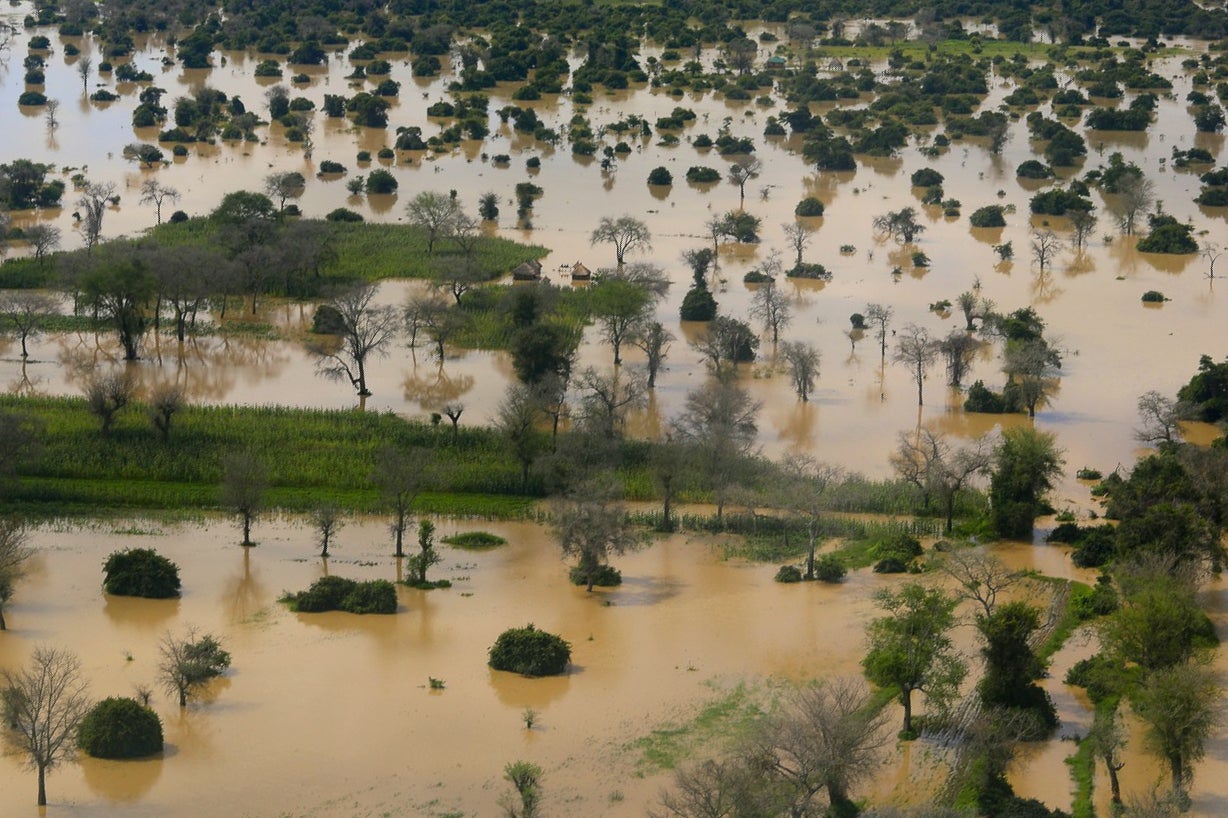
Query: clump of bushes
(810,206)
(896,553)
(475,540)
(603,576)
(329,166)
(530,652)
(828,568)
(343,214)
(702,174)
(814,272)
(120,728)
(140,572)
(660,175)
(789,573)
(988,216)
(377,596)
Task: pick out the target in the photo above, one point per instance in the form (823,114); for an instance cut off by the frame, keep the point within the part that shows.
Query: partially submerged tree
(95,197)
(14,553)
(24,314)
(401,475)
(927,460)
(1181,707)
(525,779)
(245,479)
(654,341)
(43,704)
(626,233)
(719,422)
(365,329)
(166,399)
(155,193)
(804,493)
(190,662)
(744,168)
(435,213)
(1026,462)
(326,520)
(426,556)
(770,306)
(802,360)
(901,225)
(915,350)
(590,525)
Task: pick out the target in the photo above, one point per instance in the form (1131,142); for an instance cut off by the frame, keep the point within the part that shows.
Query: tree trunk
(666,525)
(183,696)
(247,529)
(1114,783)
(950,511)
(42,785)
(906,700)
(810,554)
(3,627)
(1178,771)
(399,528)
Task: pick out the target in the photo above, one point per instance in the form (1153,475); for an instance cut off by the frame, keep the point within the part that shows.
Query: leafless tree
(1160,417)
(106,394)
(802,359)
(654,341)
(401,474)
(155,193)
(453,410)
(770,306)
(24,313)
(166,399)
(326,520)
(979,576)
(915,350)
(434,213)
(590,525)
(804,493)
(85,64)
(1135,196)
(958,349)
(1082,223)
(1045,245)
(719,420)
(799,236)
(14,552)
(366,330)
(44,238)
(51,107)
(43,705)
(93,202)
(245,479)
(744,168)
(928,461)
(606,398)
(881,316)
(189,663)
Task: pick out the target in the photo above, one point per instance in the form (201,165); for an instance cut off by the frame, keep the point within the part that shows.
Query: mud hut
(529,271)
(580,273)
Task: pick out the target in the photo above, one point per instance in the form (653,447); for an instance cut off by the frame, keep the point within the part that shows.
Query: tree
(605,399)
(1159,624)
(734,787)
(107,394)
(1135,196)
(718,420)
(959,349)
(93,202)
(52,107)
(189,663)
(401,476)
(453,411)
(901,225)
(1106,739)
(165,401)
(619,306)
(980,577)
(880,315)
(802,359)
(426,556)
(282,185)
(824,737)
(910,648)
(145,154)
(654,341)
(1012,667)
(626,233)
(1031,368)
(1045,245)
(771,307)
(799,236)
(915,350)
(155,193)
(45,238)
(14,552)
(1160,417)
(803,493)
(43,705)
(121,287)
(744,168)
(516,421)
(459,275)
(435,213)
(1181,708)
(365,330)
(85,64)
(590,525)
(245,479)
(326,520)
(727,343)
(25,313)
(1026,462)
(927,460)
(1082,223)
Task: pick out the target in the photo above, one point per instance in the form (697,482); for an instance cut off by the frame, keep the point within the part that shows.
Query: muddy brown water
(331,715)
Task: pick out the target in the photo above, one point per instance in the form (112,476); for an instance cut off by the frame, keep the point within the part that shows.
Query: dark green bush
(828,568)
(810,206)
(381,181)
(605,576)
(327,320)
(377,596)
(983,399)
(789,573)
(343,214)
(530,652)
(988,216)
(32,98)
(813,272)
(698,305)
(475,540)
(926,177)
(120,728)
(1154,297)
(890,565)
(341,594)
(660,176)
(329,166)
(702,173)
(140,572)
(1033,169)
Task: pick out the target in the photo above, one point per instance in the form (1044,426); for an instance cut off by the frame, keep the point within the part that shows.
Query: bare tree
(155,193)
(326,520)
(94,199)
(459,275)
(799,236)
(654,340)
(719,421)
(454,410)
(1160,417)
(107,394)
(24,313)
(881,316)
(165,401)
(1045,245)
(1082,223)
(1135,196)
(927,460)
(44,704)
(44,238)
(1211,252)
(744,168)
(722,788)
(802,359)
(915,350)
(979,576)
(14,552)
(958,349)
(365,330)
(51,107)
(85,63)
(626,233)
(606,398)
(245,479)
(901,225)
(804,494)
(189,663)
(770,306)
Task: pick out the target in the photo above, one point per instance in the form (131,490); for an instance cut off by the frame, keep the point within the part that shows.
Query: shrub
(476,540)
(828,568)
(698,305)
(604,576)
(530,652)
(702,173)
(858,321)
(386,153)
(120,728)
(814,272)
(756,277)
(381,181)
(343,214)
(1033,169)
(329,166)
(810,206)
(178,217)
(179,150)
(789,573)
(891,565)
(1154,297)
(341,594)
(327,320)
(364,156)
(103,95)
(660,176)
(988,216)
(140,572)
(32,98)
(926,177)
(983,399)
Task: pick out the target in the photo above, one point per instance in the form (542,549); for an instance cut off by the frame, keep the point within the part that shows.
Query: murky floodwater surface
(331,714)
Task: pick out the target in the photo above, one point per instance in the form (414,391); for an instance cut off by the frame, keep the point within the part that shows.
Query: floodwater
(330,714)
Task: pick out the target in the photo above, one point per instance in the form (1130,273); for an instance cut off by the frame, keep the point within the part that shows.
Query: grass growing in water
(475,540)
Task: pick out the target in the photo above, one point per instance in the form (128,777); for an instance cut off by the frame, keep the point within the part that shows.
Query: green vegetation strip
(720,720)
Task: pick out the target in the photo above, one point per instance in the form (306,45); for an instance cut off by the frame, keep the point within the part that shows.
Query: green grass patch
(475,540)
(717,722)
(1082,764)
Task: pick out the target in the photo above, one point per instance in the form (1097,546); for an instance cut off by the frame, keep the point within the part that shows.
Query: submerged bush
(530,652)
(828,568)
(120,728)
(789,573)
(340,594)
(475,540)
(810,206)
(603,576)
(140,572)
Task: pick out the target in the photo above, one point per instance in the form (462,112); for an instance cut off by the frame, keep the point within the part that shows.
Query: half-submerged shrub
(828,568)
(140,572)
(120,728)
(810,206)
(789,573)
(376,596)
(530,652)
(1154,297)
(476,540)
(604,576)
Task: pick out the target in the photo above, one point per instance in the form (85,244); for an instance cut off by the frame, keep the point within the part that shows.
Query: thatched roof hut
(580,273)
(529,271)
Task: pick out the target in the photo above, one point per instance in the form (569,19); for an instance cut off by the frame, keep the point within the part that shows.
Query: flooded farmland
(331,714)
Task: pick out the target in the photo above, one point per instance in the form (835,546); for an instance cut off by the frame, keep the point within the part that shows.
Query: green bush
(702,173)
(891,565)
(828,568)
(343,214)
(810,206)
(1154,297)
(988,216)
(32,98)
(381,181)
(698,305)
(140,572)
(789,573)
(605,576)
(327,320)
(329,166)
(120,728)
(341,594)
(530,652)
(808,270)
(475,540)
(926,177)
(660,176)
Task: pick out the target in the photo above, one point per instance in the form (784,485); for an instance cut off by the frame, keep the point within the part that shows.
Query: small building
(529,271)
(580,273)
(775,63)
